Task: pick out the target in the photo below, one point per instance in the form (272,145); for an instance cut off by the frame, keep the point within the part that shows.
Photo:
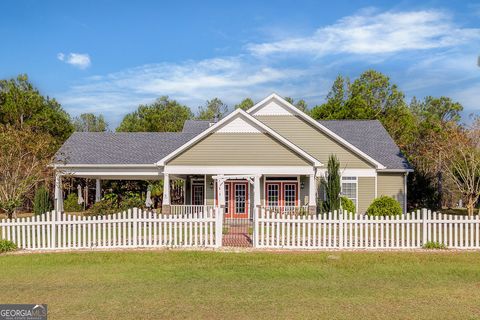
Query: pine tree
(331,183)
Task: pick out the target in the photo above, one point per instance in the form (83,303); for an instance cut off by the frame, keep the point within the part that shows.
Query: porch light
(211,184)
(302,185)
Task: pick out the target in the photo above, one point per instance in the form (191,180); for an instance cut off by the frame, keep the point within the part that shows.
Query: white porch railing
(190,209)
(354,231)
(288,209)
(131,229)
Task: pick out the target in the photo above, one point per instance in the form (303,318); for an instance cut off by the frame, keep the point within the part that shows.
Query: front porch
(240,194)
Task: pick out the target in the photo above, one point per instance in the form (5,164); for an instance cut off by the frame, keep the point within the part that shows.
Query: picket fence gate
(133,228)
(354,231)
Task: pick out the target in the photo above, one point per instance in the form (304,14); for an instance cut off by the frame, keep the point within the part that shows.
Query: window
(281,194)
(227,197)
(290,194)
(198,195)
(240,197)
(273,192)
(349,188)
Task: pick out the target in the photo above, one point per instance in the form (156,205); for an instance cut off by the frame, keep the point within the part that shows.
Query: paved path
(237,236)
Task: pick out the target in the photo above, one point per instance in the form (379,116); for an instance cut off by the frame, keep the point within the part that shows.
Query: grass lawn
(227,285)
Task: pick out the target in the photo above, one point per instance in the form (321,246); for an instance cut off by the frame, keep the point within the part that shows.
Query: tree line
(443,151)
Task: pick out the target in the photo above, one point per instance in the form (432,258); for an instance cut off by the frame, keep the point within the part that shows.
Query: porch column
(98,190)
(312,194)
(166,194)
(256,191)
(221,191)
(58,193)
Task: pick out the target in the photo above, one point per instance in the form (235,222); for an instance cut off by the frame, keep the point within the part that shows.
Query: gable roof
(371,137)
(125,148)
(366,137)
(235,114)
(295,111)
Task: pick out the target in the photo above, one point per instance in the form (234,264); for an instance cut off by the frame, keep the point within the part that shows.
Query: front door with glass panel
(236,199)
(281,195)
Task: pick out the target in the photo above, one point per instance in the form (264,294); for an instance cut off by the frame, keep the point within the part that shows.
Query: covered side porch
(238,190)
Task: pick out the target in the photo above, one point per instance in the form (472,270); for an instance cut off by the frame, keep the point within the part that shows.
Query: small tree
(24,156)
(462,165)
(41,202)
(331,184)
(214,108)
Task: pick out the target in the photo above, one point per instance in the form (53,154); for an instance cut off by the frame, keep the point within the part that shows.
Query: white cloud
(388,41)
(192,82)
(376,33)
(79,60)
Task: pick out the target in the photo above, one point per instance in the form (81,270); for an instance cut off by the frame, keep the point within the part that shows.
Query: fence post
(424,226)
(135,226)
(340,228)
(218,226)
(255,226)
(54,230)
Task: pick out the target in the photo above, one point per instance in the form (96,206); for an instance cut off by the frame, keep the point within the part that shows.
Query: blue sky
(109,56)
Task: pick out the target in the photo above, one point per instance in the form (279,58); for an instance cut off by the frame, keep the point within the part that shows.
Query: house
(271,155)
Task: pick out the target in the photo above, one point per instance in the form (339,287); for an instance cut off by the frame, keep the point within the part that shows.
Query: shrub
(7,245)
(71,204)
(348,205)
(105,206)
(131,200)
(384,206)
(434,245)
(41,201)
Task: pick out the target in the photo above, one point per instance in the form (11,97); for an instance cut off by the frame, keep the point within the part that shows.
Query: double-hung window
(349,189)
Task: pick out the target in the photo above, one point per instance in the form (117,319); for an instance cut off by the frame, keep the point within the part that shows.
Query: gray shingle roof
(149,147)
(371,137)
(195,126)
(119,147)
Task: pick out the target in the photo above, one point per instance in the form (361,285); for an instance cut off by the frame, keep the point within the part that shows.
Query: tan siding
(209,192)
(313,141)
(366,193)
(392,185)
(239,149)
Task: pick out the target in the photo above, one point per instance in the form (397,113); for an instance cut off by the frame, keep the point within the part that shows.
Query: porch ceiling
(109,172)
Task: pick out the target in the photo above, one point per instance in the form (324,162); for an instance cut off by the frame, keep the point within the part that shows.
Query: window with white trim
(349,188)
(198,194)
(289,194)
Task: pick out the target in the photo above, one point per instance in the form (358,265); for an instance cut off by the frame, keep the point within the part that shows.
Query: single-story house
(271,155)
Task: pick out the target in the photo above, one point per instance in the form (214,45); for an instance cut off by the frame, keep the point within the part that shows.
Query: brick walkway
(237,236)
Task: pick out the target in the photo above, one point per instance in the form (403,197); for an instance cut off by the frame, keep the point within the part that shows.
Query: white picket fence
(130,229)
(352,231)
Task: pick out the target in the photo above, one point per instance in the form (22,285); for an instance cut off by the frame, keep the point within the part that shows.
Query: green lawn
(227,285)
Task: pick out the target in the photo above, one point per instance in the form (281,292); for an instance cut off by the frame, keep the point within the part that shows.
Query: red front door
(236,199)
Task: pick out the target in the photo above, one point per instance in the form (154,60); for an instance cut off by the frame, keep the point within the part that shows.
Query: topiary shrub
(384,206)
(7,245)
(71,204)
(41,201)
(348,205)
